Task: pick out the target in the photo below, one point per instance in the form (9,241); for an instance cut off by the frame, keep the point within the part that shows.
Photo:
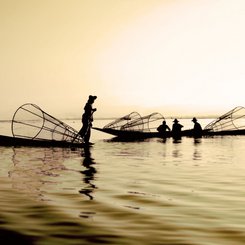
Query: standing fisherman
(87,119)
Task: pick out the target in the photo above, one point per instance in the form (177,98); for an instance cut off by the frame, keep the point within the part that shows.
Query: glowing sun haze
(176,57)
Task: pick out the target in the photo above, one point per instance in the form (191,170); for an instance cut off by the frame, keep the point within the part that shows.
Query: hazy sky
(169,56)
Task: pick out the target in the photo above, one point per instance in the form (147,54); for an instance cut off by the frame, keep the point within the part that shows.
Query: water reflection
(197,141)
(35,170)
(88,173)
(176,153)
(177,140)
(177,148)
(197,155)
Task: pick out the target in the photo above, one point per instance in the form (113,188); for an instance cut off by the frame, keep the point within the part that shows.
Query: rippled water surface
(148,192)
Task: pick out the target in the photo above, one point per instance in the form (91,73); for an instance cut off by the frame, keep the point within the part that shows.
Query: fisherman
(163,128)
(87,119)
(197,129)
(176,129)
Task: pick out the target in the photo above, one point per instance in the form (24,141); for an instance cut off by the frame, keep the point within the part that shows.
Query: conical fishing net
(232,120)
(125,122)
(31,122)
(152,121)
(134,122)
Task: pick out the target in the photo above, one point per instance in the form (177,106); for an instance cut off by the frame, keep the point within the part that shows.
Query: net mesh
(134,122)
(232,120)
(31,122)
(125,122)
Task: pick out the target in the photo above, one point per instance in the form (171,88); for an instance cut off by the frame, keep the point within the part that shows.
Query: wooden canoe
(15,141)
(127,134)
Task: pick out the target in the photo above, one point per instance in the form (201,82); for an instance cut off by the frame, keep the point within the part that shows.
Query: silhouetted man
(163,128)
(197,129)
(87,119)
(176,129)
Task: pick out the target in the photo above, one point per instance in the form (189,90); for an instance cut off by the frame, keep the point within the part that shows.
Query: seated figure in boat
(163,128)
(87,119)
(197,129)
(176,129)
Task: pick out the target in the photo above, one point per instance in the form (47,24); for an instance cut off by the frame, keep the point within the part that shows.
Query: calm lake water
(147,192)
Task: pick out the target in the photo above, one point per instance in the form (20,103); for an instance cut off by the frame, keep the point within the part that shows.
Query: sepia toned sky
(176,57)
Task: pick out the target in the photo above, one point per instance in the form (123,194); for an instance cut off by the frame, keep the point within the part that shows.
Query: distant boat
(133,126)
(31,126)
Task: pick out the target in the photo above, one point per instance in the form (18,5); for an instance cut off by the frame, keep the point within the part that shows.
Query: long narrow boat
(130,134)
(16,141)
(133,126)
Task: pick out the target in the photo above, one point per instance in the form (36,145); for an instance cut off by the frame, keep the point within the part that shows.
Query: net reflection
(38,171)
(89,173)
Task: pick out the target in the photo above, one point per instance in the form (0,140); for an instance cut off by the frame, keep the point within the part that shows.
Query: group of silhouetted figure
(176,131)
